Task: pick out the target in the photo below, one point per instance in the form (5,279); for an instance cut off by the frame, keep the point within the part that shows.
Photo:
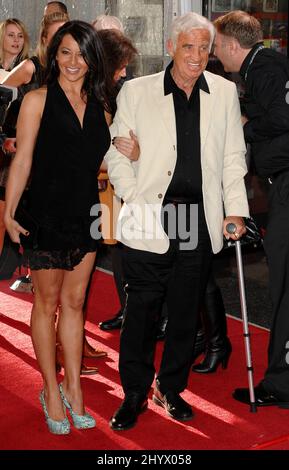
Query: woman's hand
(14,229)
(9,145)
(128,147)
(244,119)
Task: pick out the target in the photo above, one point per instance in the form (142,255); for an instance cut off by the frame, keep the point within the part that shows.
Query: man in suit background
(265,72)
(192,163)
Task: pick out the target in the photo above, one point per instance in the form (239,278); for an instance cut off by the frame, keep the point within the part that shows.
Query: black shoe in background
(113,323)
(262,397)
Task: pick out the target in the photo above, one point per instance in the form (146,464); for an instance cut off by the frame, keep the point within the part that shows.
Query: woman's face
(51,31)
(13,40)
(71,63)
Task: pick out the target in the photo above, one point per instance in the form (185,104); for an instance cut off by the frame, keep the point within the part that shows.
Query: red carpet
(219,423)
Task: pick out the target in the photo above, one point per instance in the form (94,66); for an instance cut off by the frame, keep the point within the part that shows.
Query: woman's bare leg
(70,328)
(47,286)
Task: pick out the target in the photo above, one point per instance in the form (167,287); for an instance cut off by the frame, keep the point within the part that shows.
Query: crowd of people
(171,146)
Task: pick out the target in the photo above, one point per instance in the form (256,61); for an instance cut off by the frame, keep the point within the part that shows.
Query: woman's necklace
(76,104)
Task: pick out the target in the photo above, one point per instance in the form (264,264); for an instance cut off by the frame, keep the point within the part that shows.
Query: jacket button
(160,196)
(169,173)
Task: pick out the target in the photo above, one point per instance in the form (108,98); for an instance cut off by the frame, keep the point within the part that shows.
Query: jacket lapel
(207,101)
(165,106)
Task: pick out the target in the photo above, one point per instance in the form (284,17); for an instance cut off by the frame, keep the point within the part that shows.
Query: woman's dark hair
(118,49)
(96,83)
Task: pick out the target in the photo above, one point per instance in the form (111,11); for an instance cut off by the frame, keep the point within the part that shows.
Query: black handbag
(252,236)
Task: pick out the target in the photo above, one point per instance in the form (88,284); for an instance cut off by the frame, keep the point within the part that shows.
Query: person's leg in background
(213,317)
(273,390)
(115,322)
(276,244)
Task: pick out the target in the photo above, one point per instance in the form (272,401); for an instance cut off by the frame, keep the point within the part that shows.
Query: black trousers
(179,277)
(276,246)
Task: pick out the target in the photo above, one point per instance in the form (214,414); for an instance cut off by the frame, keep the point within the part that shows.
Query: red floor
(220,422)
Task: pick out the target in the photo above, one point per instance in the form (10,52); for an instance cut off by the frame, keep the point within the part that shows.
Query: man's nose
(195,54)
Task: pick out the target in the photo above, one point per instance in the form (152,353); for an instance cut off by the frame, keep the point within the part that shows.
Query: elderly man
(191,165)
(240,48)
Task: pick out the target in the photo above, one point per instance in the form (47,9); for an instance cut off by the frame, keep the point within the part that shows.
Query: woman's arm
(20,75)
(27,129)
(129,147)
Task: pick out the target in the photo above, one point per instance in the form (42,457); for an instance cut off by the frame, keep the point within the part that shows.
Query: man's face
(222,50)
(191,55)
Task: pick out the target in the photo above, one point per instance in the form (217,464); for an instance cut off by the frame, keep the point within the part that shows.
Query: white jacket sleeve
(120,169)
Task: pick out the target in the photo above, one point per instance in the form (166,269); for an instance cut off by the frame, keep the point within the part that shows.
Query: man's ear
(234,46)
(170,47)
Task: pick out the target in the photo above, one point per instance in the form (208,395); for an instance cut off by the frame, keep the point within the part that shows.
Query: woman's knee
(73,300)
(45,306)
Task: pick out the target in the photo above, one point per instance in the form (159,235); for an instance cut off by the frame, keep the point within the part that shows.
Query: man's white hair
(189,21)
(107,22)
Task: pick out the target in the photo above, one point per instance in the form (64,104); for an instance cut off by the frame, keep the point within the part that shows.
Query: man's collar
(170,85)
(246,62)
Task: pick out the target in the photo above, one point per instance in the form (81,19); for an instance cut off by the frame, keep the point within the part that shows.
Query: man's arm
(269,91)
(234,168)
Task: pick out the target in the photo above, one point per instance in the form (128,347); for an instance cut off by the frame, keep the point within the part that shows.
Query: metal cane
(231,228)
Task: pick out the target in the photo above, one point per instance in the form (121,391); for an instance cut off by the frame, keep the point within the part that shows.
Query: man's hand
(128,147)
(240,227)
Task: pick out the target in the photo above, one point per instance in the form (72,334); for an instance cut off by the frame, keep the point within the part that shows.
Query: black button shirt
(186,184)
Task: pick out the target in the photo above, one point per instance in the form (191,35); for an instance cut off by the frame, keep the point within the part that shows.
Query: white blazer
(143,107)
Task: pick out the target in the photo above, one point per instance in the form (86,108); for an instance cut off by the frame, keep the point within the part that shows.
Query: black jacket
(266,104)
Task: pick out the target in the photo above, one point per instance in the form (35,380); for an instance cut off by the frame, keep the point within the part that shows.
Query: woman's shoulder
(35,97)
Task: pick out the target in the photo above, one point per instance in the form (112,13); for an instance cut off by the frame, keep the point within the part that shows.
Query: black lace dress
(63,185)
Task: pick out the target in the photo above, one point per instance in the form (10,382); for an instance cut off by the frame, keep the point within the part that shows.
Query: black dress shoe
(174,405)
(262,397)
(126,416)
(113,323)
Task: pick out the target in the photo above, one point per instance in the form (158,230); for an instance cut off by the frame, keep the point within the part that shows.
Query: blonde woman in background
(30,71)
(14,43)
(14,47)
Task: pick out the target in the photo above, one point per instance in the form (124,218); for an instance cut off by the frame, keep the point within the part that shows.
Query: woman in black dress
(62,137)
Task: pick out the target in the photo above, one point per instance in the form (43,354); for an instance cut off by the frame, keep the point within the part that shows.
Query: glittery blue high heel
(85,421)
(56,427)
